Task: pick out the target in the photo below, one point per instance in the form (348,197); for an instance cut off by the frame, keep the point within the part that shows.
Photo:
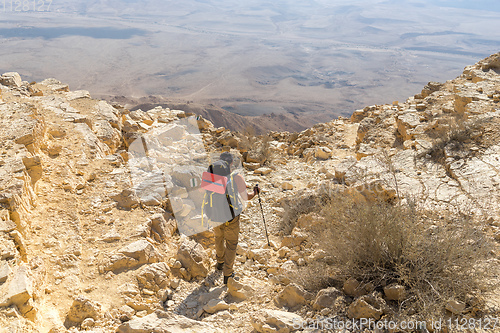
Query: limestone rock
(215,305)
(239,290)
(163,228)
(276,321)
(363,307)
(259,255)
(5,271)
(18,289)
(193,258)
(164,322)
(263,171)
(11,79)
(395,292)
(322,153)
(291,296)
(154,277)
(213,294)
(353,287)
(326,298)
(141,250)
(294,240)
(126,199)
(83,308)
(455,307)
(7,226)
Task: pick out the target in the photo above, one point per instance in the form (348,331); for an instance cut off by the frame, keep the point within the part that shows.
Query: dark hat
(225,156)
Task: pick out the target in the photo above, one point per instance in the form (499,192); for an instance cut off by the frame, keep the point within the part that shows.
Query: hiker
(226,234)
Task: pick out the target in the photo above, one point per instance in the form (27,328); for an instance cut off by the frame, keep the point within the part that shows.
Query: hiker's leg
(219,243)
(231,235)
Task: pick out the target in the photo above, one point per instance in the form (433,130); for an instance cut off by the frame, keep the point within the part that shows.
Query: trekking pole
(262,210)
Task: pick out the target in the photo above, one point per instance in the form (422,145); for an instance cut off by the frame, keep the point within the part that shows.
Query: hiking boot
(226,278)
(219,266)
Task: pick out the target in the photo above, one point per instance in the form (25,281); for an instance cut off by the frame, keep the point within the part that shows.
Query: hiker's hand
(256,189)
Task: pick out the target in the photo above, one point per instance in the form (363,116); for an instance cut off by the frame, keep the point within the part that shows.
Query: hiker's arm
(240,182)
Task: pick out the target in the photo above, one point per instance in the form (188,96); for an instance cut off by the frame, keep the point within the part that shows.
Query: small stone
(455,307)
(395,292)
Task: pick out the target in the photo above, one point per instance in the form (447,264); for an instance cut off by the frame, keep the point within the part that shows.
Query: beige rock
(18,288)
(7,226)
(213,294)
(295,239)
(142,251)
(83,308)
(11,79)
(291,296)
(161,321)
(126,199)
(323,153)
(5,271)
(360,308)
(215,305)
(239,290)
(193,258)
(276,321)
(287,186)
(251,166)
(154,277)
(326,298)
(455,307)
(263,171)
(354,288)
(395,292)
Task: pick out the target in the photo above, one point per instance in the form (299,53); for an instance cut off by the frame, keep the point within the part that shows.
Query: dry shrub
(382,243)
(459,132)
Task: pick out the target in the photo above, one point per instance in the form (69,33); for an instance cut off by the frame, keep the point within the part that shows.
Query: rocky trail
(83,248)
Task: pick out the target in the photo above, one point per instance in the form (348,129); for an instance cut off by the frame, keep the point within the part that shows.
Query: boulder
(11,79)
(290,297)
(326,298)
(18,289)
(193,258)
(83,308)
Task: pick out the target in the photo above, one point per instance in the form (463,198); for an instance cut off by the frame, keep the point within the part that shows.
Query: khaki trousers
(226,241)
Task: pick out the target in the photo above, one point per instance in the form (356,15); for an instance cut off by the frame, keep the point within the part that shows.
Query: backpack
(220,202)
